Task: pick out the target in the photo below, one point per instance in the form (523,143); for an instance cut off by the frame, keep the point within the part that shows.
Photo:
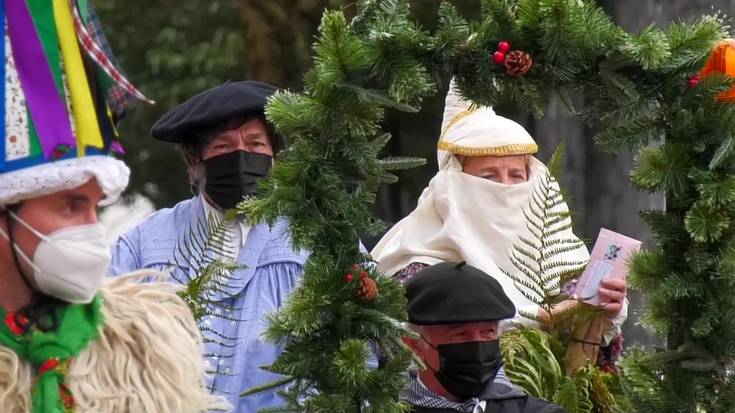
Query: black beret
(451,293)
(211,108)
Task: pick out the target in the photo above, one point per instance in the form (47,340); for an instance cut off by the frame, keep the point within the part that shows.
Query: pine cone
(518,63)
(368,290)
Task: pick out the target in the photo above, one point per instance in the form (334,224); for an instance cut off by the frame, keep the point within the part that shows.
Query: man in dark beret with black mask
(455,310)
(228,146)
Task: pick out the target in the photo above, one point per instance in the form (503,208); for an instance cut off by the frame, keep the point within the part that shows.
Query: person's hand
(544,317)
(612,296)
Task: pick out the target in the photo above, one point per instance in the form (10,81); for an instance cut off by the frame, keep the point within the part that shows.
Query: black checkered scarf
(418,395)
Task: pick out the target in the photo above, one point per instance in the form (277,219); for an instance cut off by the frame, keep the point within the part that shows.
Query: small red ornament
(363,275)
(348,278)
(504,47)
(499,58)
(694,80)
(47,365)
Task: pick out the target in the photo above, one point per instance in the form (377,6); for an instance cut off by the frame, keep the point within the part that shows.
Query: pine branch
(723,152)
(275,384)
(395,163)
(706,224)
(650,48)
(376,97)
(380,142)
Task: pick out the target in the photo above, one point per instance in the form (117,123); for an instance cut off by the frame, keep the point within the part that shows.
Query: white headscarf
(461,217)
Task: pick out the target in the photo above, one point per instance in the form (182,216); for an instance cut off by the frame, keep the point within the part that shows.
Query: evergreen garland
(325,184)
(638,93)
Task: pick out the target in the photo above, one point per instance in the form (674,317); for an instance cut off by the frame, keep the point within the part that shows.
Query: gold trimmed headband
(512,149)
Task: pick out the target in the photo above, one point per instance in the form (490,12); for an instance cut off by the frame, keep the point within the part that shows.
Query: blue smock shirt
(234,351)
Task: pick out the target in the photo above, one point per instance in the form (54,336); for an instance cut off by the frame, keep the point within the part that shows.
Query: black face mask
(465,369)
(234,175)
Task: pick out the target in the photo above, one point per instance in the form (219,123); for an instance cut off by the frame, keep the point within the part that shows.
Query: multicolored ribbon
(95,52)
(2,91)
(85,116)
(43,19)
(47,108)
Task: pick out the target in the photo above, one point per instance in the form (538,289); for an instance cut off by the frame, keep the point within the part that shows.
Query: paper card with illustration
(609,259)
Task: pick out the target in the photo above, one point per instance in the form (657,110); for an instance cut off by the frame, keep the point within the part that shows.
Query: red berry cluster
(694,80)
(366,289)
(355,269)
(503,49)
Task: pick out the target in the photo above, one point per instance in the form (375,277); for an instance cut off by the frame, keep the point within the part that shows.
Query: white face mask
(70,263)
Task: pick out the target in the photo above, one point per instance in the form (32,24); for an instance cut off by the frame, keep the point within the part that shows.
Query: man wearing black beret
(228,146)
(227,142)
(455,310)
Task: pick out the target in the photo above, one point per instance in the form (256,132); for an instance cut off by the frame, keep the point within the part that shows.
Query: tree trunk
(279,38)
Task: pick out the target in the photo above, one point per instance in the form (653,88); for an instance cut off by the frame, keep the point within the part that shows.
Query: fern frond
(533,244)
(533,222)
(196,258)
(528,378)
(554,252)
(539,257)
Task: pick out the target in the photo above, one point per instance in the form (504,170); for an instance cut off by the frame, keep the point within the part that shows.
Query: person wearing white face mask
(67,262)
(472,209)
(70,341)
(58,317)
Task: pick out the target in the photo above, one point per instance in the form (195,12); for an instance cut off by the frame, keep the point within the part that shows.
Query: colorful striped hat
(62,94)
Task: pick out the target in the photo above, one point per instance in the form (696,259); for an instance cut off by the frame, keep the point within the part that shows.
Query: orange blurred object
(722,60)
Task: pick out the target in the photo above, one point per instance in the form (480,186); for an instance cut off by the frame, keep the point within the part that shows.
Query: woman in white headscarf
(472,209)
